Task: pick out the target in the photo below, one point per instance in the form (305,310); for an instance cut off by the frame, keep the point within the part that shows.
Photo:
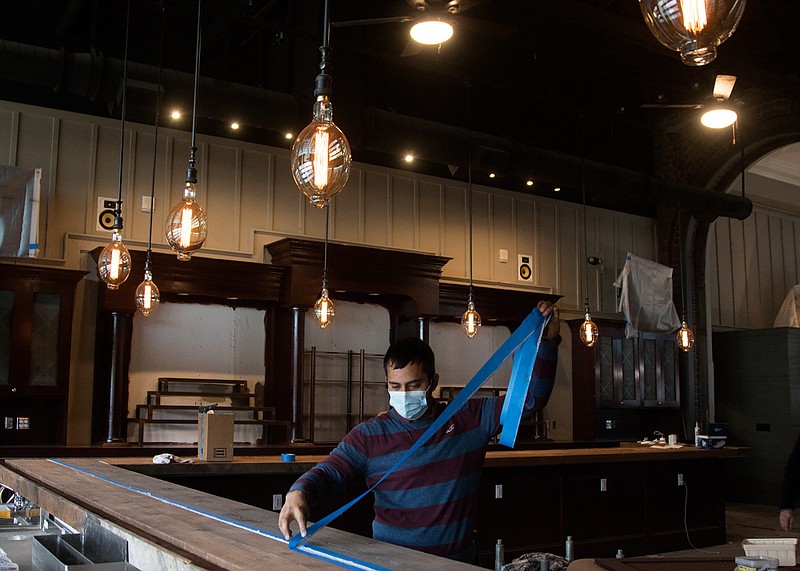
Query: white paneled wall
(752,264)
(251,200)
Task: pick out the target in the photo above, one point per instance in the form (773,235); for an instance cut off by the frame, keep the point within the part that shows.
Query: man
(428,503)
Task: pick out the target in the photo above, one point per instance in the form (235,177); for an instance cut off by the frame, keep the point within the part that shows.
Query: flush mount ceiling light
(431,32)
(720,114)
(692,27)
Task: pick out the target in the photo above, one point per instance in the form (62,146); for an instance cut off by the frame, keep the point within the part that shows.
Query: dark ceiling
(564,77)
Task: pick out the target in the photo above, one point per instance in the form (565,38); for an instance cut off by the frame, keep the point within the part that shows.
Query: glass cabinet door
(6,310)
(44,339)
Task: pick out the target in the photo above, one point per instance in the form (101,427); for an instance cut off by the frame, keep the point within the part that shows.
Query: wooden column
(121,326)
(298,337)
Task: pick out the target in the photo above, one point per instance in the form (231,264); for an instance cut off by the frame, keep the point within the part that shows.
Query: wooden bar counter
(624,497)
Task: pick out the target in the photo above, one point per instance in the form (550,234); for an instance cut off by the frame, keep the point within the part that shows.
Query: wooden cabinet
(638,372)
(35,329)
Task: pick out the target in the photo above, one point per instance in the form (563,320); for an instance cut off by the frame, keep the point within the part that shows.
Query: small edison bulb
(114,263)
(323,310)
(685,337)
(588,332)
(187,225)
(471,320)
(147,295)
(321,156)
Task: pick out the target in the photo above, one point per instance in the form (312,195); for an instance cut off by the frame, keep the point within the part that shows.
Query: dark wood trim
(496,306)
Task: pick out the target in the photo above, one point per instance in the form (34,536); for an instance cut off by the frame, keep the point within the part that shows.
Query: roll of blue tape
(287,457)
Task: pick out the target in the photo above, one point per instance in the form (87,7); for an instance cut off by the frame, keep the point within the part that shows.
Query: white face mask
(409,404)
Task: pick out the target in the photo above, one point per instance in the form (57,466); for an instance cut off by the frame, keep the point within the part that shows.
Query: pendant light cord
(155,139)
(192,174)
(118,211)
(469,184)
(325,250)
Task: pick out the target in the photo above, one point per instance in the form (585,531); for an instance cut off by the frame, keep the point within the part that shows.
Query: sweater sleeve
(791,479)
(331,476)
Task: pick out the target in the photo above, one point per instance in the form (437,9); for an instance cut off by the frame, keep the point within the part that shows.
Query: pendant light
(187,225)
(684,336)
(588,331)
(324,311)
(147,295)
(692,27)
(471,319)
(114,262)
(320,158)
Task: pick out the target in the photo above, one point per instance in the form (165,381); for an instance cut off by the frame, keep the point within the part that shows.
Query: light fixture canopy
(114,262)
(692,27)
(431,32)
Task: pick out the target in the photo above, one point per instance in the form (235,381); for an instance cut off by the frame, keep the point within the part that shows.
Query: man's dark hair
(409,350)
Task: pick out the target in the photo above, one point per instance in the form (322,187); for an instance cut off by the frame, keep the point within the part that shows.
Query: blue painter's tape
(532,326)
(287,457)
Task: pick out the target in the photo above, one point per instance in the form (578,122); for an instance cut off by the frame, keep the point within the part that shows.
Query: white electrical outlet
(498,492)
(277,502)
(680,479)
(147,204)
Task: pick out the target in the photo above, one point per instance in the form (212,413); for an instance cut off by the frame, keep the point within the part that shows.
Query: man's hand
(553,326)
(295,509)
(787,519)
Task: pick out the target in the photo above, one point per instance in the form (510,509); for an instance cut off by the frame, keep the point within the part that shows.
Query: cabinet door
(617,372)
(658,370)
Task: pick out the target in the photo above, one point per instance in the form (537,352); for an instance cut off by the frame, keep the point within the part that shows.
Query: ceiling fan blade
(372,21)
(723,86)
(412,48)
(671,106)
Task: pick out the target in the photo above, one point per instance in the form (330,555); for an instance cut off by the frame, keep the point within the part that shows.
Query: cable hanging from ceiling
(588,331)
(114,262)
(324,311)
(321,157)
(471,319)
(684,336)
(147,294)
(186,228)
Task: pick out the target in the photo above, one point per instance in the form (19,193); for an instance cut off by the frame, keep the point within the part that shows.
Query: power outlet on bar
(23,423)
(498,491)
(8,423)
(277,502)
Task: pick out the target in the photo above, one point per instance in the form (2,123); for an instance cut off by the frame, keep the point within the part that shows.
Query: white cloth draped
(646,298)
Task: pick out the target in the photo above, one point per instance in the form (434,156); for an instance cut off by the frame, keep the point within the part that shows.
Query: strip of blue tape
(531,328)
(314,551)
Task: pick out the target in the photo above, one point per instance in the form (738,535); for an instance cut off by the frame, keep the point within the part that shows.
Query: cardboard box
(215,436)
(782,548)
(706,441)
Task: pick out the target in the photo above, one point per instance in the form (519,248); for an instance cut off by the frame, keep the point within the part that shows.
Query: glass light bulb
(321,156)
(471,320)
(685,337)
(431,32)
(324,311)
(114,263)
(147,295)
(719,118)
(588,331)
(187,225)
(693,27)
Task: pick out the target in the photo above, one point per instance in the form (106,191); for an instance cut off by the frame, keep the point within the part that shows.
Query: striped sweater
(428,503)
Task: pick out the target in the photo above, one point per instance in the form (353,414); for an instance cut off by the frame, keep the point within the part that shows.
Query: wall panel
(404,213)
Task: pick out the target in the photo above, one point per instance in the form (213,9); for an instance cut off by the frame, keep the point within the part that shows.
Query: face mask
(409,404)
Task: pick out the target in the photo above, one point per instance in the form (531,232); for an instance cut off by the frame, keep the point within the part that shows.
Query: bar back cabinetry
(35,333)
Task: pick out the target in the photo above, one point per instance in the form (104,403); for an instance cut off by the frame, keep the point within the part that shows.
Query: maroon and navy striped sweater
(428,503)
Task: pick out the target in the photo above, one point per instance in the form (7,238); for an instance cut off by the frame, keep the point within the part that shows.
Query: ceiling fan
(433,24)
(719,114)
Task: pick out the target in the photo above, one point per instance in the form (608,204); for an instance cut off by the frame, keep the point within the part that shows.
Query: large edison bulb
(471,320)
(685,337)
(588,331)
(147,295)
(114,263)
(321,156)
(692,27)
(323,310)
(187,225)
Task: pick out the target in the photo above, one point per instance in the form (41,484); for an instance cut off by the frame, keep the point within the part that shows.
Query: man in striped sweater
(428,503)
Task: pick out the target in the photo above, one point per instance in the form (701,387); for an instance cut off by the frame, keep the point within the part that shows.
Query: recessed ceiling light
(492,175)
(234,125)
(288,136)
(557,189)
(175,114)
(529,183)
(408,157)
